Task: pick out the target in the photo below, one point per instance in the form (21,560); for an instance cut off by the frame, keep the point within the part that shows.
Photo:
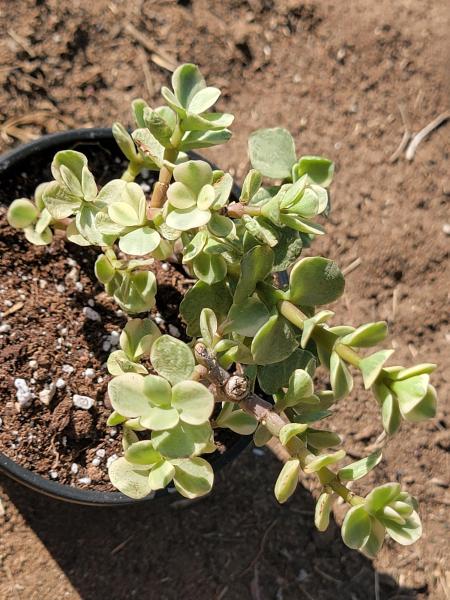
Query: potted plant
(255,336)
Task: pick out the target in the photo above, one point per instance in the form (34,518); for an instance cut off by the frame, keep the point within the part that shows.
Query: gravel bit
(91,314)
(83,402)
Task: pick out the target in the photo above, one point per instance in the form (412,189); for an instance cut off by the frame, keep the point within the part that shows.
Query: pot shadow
(236,543)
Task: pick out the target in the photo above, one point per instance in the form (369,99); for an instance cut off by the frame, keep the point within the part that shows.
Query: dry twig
(406,136)
(423,133)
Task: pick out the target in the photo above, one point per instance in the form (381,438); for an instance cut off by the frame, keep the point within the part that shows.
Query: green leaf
(158,126)
(247,317)
(190,218)
(424,409)
(341,379)
(255,266)
(181,196)
(195,246)
(172,359)
(405,534)
(203,99)
(207,121)
(356,527)
(300,386)
(204,139)
(104,271)
(287,480)
(390,413)
(239,422)
(322,512)
(272,152)
(208,326)
(360,468)
(115,419)
(124,141)
(309,324)
(200,296)
(371,366)
(68,161)
(374,542)
(221,226)
(183,440)
(74,236)
(287,250)
(140,241)
(149,147)
(261,436)
(194,477)
(261,229)
(193,401)
(21,213)
(410,391)
(319,439)
(319,169)
(195,174)
(210,268)
(136,292)
(413,371)
(187,81)
(127,395)
(366,335)
(138,337)
(273,377)
(129,479)
(160,418)
(142,453)
(222,189)
(315,280)
(161,475)
(287,432)
(317,463)
(59,202)
(251,185)
(38,239)
(274,342)
(381,496)
(118,363)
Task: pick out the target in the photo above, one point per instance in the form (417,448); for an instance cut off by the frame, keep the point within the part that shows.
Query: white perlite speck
(165,267)
(33,364)
(24,395)
(54,474)
(114,337)
(79,286)
(83,402)
(91,314)
(96,461)
(89,373)
(101,453)
(111,459)
(106,346)
(68,369)
(74,468)
(60,383)
(5,328)
(60,288)
(84,480)
(174,331)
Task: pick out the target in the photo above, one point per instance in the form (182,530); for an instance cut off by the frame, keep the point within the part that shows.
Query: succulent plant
(254,344)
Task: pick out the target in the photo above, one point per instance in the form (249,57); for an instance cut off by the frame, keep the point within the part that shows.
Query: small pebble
(111,459)
(165,266)
(79,286)
(33,364)
(74,468)
(83,402)
(91,303)
(60,383)
(106,346)
(71,262)
(89,373)
(113,431)
(84,480)
(68,369)
(145,187)
(99,379)
(119,313)
(96,461)
(174,331)
(63,331)
(258,452)
(101,452)
(42,284)
(8,303)
(53,474)
(158,319)
(5,328)
(91,314)
(60,288)
(46,395)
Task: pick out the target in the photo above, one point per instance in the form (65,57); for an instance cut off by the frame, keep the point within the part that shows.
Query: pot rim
(33,480)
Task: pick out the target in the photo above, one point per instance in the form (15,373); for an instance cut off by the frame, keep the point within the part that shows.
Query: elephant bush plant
(257,336)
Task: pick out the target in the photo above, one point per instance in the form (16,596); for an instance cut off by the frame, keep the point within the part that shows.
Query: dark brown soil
(336,74)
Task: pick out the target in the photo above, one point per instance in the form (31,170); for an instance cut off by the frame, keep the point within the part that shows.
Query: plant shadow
(237,543)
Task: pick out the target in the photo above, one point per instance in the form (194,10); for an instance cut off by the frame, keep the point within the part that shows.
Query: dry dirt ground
(337,74)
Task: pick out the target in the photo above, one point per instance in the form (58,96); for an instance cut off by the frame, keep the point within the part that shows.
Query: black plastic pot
(19,170)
